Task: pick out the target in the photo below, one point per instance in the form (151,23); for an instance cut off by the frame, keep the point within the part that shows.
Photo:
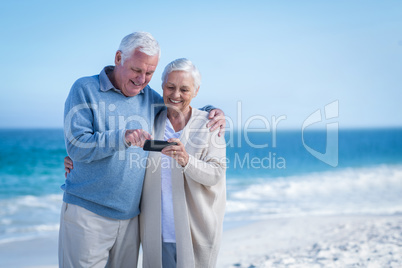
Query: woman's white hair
(185,65)
(144,41)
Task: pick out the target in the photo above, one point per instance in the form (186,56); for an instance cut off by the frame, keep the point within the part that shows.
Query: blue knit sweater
(108,175)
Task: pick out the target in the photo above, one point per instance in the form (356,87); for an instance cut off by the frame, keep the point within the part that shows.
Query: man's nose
(141,78)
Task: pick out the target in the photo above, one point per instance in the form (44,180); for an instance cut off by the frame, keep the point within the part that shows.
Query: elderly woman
(184,193)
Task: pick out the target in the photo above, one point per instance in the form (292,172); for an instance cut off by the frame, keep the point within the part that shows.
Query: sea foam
(29,216)
(370,190)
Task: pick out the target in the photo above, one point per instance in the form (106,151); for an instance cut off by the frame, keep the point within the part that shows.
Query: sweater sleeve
(83,142)
(207,108)
(209,167)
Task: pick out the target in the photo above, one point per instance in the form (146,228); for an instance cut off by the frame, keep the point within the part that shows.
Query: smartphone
(156,145)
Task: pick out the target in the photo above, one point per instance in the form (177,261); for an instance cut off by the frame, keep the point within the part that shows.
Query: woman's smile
(174,101)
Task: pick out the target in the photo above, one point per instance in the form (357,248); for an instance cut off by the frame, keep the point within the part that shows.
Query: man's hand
(137,137)
(217,117)
(68,165)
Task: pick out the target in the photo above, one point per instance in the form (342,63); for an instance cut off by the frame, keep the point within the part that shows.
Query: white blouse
(168,232)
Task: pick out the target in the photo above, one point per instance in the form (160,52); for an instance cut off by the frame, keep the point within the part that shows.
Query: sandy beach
(315,241)
(34,253)
(309,241)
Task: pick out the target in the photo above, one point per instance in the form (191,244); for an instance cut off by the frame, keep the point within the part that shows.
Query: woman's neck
(179,119)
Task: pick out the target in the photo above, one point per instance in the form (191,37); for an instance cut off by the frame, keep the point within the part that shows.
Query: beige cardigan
(199,196)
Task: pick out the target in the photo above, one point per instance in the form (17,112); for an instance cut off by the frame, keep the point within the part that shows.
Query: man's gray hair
(185,65)
(144,41)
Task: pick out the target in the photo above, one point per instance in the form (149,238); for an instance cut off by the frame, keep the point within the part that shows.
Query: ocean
(282,174)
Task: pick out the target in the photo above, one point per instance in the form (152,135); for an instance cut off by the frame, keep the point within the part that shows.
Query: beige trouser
(89,240)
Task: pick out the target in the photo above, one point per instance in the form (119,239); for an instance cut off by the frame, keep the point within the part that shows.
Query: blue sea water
(268,175)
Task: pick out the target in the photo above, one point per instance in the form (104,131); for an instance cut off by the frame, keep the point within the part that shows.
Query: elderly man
(107,118)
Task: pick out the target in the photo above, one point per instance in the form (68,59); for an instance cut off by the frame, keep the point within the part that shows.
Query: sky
(262,62)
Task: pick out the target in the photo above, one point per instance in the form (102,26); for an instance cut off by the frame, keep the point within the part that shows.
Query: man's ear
(118,58)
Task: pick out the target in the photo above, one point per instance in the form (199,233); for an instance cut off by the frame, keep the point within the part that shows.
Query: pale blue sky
(275,57)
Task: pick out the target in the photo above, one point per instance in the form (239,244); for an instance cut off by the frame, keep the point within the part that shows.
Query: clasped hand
(177,152)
